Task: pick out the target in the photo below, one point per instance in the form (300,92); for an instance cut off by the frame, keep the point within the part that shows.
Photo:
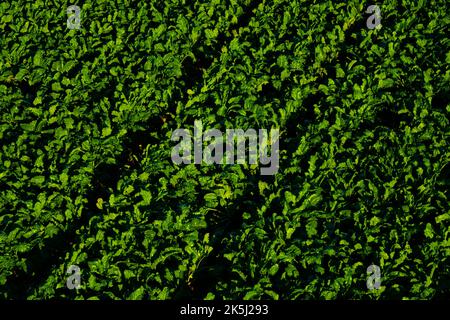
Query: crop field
(93,205)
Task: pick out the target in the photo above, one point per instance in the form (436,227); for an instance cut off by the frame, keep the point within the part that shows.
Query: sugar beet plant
(87,180)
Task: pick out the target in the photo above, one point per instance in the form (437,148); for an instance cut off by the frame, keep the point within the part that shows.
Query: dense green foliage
(86,176)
